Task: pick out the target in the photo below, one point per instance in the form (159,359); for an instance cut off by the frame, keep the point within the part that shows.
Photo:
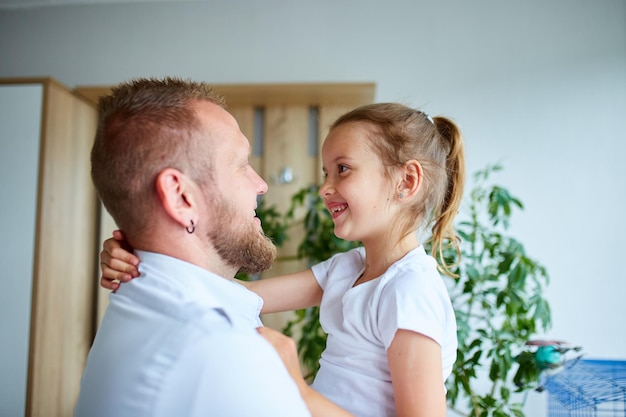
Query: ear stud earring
(401,195)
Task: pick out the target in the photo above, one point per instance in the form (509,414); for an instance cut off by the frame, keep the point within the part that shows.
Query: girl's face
(356,191)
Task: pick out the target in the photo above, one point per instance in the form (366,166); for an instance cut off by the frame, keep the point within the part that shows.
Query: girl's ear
(412,177)
(176,193)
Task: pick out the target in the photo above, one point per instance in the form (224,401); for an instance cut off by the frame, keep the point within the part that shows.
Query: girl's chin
(341,235)
(344,235)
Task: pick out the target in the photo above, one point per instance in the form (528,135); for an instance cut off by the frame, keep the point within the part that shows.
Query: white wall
(20,111)
(537,84)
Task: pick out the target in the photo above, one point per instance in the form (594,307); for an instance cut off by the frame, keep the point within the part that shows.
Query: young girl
(390,170)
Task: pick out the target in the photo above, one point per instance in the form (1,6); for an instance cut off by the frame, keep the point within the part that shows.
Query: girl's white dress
(362,321)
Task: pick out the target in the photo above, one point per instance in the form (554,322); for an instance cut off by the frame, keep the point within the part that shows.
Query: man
(171,166)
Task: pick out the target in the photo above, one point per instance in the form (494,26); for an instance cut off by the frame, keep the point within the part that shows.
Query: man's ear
(176,193)
(412,178)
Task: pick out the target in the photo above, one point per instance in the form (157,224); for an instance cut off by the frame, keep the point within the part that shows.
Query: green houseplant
(497,299)
(499,305)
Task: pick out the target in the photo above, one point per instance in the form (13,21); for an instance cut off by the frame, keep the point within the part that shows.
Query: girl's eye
(340,170)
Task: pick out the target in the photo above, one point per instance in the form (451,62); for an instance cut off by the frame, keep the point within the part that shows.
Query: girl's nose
(325,189)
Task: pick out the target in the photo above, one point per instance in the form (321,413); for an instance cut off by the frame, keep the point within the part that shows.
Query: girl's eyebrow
(342,158)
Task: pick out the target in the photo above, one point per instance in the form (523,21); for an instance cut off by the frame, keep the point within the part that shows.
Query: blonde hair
(398,134)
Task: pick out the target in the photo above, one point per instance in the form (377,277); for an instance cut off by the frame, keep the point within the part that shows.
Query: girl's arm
(287,292)
(282,293)
(416,375)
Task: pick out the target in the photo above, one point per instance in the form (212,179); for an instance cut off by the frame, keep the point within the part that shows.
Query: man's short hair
(144,126)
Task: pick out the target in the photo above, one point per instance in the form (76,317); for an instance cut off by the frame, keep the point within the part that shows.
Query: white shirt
(362,321)
(181,341)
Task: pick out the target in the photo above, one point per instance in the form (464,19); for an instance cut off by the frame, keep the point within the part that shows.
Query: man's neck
(189,249)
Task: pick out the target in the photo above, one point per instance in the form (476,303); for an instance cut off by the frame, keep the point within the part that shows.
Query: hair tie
(430,119)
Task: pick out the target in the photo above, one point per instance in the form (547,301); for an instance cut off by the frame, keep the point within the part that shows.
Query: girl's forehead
(343,146)
(349,147)
(348,135)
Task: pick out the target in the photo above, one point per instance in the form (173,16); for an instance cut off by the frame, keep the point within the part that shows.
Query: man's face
(236,233)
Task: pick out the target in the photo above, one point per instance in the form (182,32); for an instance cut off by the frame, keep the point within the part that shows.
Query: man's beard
(239,242)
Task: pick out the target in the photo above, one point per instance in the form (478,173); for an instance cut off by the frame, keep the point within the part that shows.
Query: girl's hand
(117,262)
(318,405)
(287,350)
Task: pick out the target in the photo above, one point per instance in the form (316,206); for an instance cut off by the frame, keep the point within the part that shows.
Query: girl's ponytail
(443,228)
